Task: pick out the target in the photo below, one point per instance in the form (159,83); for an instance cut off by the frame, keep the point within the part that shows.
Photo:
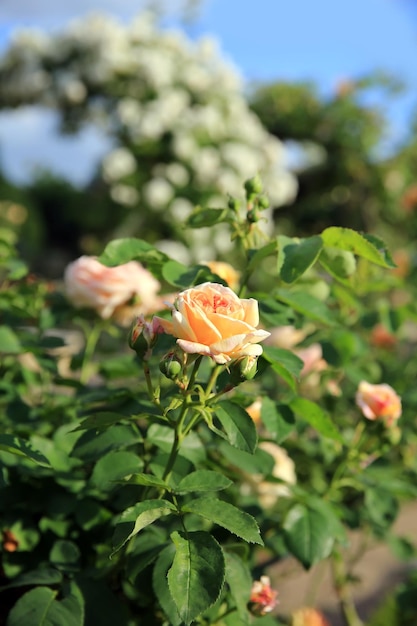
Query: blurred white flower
(124,194)
(177,174)
(181,209)
(118,164)
(158,193)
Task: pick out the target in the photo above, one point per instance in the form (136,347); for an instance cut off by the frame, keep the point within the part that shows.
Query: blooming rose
(378,402)
(309,617)
(120,292)
(211,320)
(263,599)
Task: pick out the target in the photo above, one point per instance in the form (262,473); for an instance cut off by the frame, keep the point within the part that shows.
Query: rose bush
(121,478)
(211,320)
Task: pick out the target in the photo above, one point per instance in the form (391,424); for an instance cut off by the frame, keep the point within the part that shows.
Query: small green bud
(253,186)
(252,216)
(171,366)
(233,204)
(263,202)
(243,369)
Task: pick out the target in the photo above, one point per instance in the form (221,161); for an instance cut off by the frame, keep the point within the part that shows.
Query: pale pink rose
(266,491)
(226,271)
(211,320)
(286,337)
(263,599)
(120,292)
(312,357)
(378,402)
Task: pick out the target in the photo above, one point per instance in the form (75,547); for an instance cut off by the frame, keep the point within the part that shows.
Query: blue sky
(325,41)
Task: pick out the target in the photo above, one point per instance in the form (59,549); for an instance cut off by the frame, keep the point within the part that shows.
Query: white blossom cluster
(183,131)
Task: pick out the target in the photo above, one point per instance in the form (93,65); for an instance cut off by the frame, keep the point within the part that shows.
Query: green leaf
(92,446)
(340,264)
(296,256)
(191,448)
(366,246)
(197,574)
(380,245)
(39,607)
(274,313)
(120,251)
(284,362)
(316,417)
(148,480)
(278,419)
(136,517)
(381,506)
(41,576)
(9,342)
(183,277)
(203,480)
(257,256)
(260,462)
(306,304)
(100,421)
(227,516)
(201,218)
(19,447)
(238,425)
(160,585)
(65,556)
(113,467)
(307,534)
(239,579)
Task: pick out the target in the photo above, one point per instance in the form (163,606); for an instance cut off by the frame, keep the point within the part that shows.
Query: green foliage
(132,496)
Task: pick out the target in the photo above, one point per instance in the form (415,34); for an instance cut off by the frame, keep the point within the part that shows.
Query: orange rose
(121,292)
(378,402)
(211,320)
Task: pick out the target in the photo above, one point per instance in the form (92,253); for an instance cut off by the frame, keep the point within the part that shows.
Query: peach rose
(309,617)
(121,292)
(378,402)
(226,271)
(211,320)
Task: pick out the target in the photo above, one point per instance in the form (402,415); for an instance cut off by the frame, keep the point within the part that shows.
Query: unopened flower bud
(263,202)
(253,186)
(243,369)
(263,599)
(233,204)
(252,216)
(143,336)
(171,366)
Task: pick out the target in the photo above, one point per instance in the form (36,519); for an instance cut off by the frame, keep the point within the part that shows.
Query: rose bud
(171,366)
(263,599)
(378,402)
